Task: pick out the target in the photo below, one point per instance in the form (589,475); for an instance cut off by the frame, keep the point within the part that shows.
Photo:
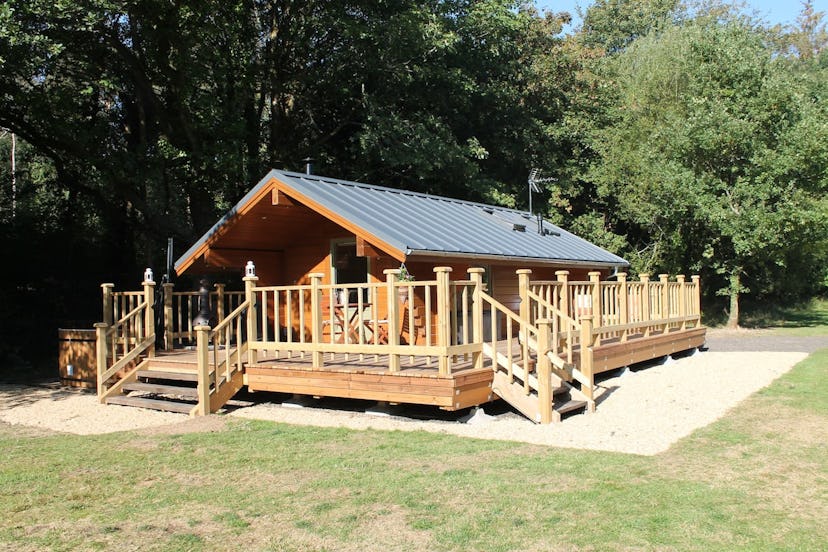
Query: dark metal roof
(422,224)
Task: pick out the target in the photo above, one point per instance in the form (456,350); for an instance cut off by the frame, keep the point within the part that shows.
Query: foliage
(710,155)
(681,135)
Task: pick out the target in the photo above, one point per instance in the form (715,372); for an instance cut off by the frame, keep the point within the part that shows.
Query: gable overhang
(265,190)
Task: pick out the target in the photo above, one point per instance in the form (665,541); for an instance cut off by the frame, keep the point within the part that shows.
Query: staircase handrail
(552,308)
(216,374)
(117,334)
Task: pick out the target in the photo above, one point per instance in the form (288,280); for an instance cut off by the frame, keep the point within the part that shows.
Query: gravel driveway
(762,340)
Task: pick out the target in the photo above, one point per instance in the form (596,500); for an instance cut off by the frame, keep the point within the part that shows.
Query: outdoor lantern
(148,275)
(250,269)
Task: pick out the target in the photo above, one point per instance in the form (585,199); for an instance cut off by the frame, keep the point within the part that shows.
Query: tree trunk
(735,289)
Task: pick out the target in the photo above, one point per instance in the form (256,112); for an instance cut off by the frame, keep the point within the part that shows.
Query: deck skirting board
(615,355)
(447,393)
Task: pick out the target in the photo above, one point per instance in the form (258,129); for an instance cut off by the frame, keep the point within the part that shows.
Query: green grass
(755,480)
(803,320)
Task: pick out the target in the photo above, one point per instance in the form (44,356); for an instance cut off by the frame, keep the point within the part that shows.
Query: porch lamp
(250,269)
(148,275)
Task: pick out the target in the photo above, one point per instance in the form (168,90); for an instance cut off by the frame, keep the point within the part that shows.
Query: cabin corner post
(101,329)
(252,330)
(149,315)
(523,289)
(588,342)
(203,358)
(391,276)
(682,306)
(663,281)
(645,301)
(623,306)
(696,279)
(443,317)
(476,276)
(316,317)
(597,307)
(169,342)
(544,370)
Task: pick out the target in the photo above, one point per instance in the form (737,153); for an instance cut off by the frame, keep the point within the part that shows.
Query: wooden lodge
(504,305)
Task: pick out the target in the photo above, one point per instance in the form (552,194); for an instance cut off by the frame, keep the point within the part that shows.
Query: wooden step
(151,404)
(161,389)
(569,406)
(165,375)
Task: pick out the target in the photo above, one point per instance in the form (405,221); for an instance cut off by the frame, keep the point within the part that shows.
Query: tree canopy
(685,137)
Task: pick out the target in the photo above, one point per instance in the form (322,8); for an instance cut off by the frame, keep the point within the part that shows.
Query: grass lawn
(755,480)
(801,320)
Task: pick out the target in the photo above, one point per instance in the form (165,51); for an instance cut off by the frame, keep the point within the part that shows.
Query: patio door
(348,268)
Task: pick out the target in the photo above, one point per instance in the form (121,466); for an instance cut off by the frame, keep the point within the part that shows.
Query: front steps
(565,397)
(168,389)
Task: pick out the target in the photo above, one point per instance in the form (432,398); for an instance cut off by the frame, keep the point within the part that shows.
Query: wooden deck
(468,348)
(418,380)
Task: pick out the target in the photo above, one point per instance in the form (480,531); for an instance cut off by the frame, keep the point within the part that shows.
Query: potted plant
(404,276)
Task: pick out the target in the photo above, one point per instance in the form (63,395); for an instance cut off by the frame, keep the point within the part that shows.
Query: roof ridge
(423,195)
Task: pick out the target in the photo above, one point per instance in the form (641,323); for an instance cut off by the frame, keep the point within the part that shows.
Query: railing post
(696,279)
(250,297)
(149,314)
(663,280)
(101,353)
(623,307)
(169,341)
(597,307)
(476,276)
(203,357)
(588,341)
(645,301)
(108,290)
(443,317)
(563,298)
(682,299)
(523,290)
(544,371)
(391,276)
(316,317)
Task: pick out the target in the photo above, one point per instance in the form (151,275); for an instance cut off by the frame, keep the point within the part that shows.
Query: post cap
(476,270)
(442,269)
(394,271)
(523,271)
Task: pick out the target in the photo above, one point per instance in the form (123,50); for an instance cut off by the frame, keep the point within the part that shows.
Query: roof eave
(512,258)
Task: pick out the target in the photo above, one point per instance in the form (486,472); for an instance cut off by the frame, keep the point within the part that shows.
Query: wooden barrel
(77,358)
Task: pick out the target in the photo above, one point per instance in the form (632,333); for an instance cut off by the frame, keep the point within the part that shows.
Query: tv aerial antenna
(533,181)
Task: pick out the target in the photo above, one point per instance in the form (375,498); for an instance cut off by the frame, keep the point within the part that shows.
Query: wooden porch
(443,342)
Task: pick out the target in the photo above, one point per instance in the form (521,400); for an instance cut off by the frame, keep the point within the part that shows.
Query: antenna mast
(533,184)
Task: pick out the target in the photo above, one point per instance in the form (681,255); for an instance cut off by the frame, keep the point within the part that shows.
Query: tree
(704,155)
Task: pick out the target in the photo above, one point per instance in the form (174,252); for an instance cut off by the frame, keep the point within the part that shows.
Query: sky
(774,11)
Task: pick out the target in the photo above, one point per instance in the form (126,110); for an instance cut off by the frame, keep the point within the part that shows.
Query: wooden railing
(178,309)
(122,342)
(407,323)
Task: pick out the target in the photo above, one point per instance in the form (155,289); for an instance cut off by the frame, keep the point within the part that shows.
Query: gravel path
(762,340)
(641,411)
